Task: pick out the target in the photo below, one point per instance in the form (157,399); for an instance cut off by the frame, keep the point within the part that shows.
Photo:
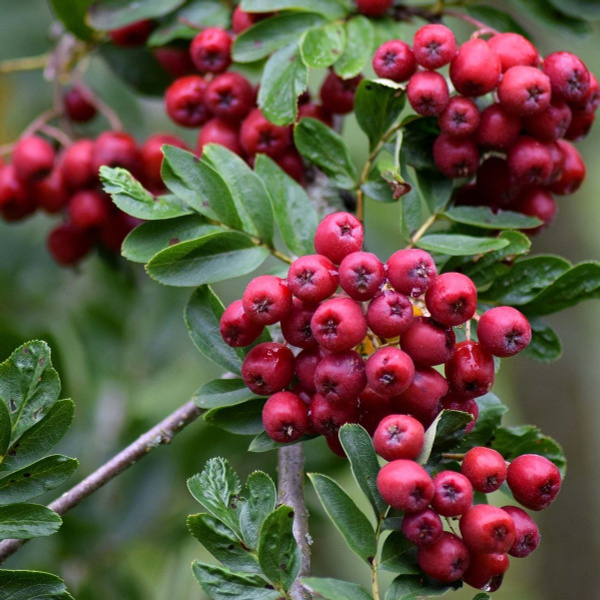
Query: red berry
(524,91)
(134,34)
(460,118)
(590,102)
(285,417)
(230,96)
(496,186)
(487,529)
(312,278)
(390,371)
(497,129)
(470,372)
(451,299)
(113,232)
(33,159)
(236,328)
(513,50)
(580,126)
(530,161)
(455,157)
(89,209)
(573,171)
(568,75)
(558,161)
(372,409)
(422,528)
(76,165)
(327,417)
(115,149)
(268,368)
(434,46)
(339,324)
(291,162)
(15,201)
(210,50)
(334,444)
(527,534)
(537,202)
(339,235)
(267,299)
(185,101)
(361,275)
(295,325)
(315,111)
(411,271)
(79,106)
(305,365)
(242,20)
(534,481)
(337,94)
(453,494)
(486,571)
(427,342)
(484,468)
(427,92)
(68,245)
(394,60)
(389,314)
(152,158)
(218,131)
(503,331)
(446,559)
(373,8)
(405,485)
(259,135)
(451,402)
(399,436)
(50,193)
(340,376)
(476,69)
(175,60)
(552,123)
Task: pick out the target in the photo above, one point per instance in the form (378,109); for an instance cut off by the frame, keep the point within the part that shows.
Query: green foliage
(360,42)
(497,19)
(332,9)
(335,589)
(72,13)
(223,392)
(322,46)
(412,587)
(32,585)
(223,584)
(454,244)
(547,15)
(112,14)
(483,217)
(444,433)
(243,419)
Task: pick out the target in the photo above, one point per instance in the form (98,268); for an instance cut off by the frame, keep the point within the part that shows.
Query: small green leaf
(358,446)
(32,585)
(411,214)
(586,9)
(411,587)
(73,14)
(360,41)
(491,411)
(322,46)
(484,217)
(550,18)
(545,344)
(445,432)
(243,419)
(497,19)
(106,15)
(482,597)
(419,135)
(395,555)
(325,148)
(333,9)
(26,521)
(435,189)
(263,443)
(262,497)
(223,392)
(349,520)
(460,245)
(336,589)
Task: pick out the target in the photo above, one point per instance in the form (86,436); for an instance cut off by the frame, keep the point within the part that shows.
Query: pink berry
(453,494)
(486,571)
(394,60)
(422,528)
(211,50)
(295,325)
(527,534)
(534,481)
(340,376)
(312,278)
(452,299)
(339,235)
(503,331)
(455,157)
(327,417)
(530,161)
(434,46)
(411,271)
(524,91)
(405,485)
(446,559)
(267,299)
(470,372)
(185,101)
(390,371)
(460,118)
(487,529)
(484,468)
(427,342)
(514,50)
(389,314)
(476,69)
(32,159)
(568,75)
(427,92)
(399,436)
(361,275)
(498,130)
(236,328)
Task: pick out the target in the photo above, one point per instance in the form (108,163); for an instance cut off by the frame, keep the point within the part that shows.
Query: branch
(160,434)
(290,465)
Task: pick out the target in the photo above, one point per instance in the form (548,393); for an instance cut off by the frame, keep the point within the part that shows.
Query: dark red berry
(573,170)
(267,299)
(134,34)
(315,111)
(453,494)
(115,149)
(152,158)
(340,376)
(460,118)
(15,201)
(210,50)
(434,46)
(399,436)
(394,60)
(455,157)
(291,162)
(230,96)
(558,161)
(373,8)
(484,468)
(79,106)
(295,325)
(89,209)
(389,314)
(476,69)
(590,102)
(527,534)
(33,158)
(580,126)
(185,101)
(451,299)
(411,271)
(339,324)
(236,328)
(76,165)
(534,481)
(337,94)
(242,20)
(312,278)
(497,129)
(513,50)
(50,193)
(268,368)
(285,417)
(427,342)
(486,571)
(339,235)
(427,92)
(219,131)
(446,559)
(68,244)
(259,135)
(390,371)
(568,75)
(361,275)
(537,202)
(327,417)
(470,372)
(175,60)
(487,529)
(530,161)
(503,331)
(372,408)
(405,485)
(496,186)
(305,365)
(552,123)
(422,528)
(524,91)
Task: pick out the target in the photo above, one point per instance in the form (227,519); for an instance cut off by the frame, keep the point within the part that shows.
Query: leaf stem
(29,63)
(375,563)
(451,456)
(422,230)
(280,255)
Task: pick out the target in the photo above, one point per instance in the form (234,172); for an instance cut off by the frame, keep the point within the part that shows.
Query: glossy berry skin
(451,299)
(305,365)
(50,193)
(470,372)
(446,559)
(568,75)
(405,485)
(285,417)
(76,165)
(327,417)
(337,94)
(210,50)
(476,69)
(340,376)
(399,436)
(537,202)
(219,131)
(115,149)
(455,157)
(411,271)
(89,209)
(484,468)
(33,158)
(486,571)
(513,49)
(552,123)
(295,325)
(434,46)
(373,8)
(422,528)
(394,60)
(460,118)
(427,92)
(237,330)
(339,235)
(503,331)
(230,96)
(422,398)
(527,534)
(453,494)
(389,314)
(534,481)
(428,343)
(268,368)
(259,135)
(487,529)
(498,130)
(68,244)
(339,324)
(361,275)
(151,157)
(78,105)
(530,161)
(390,371)
(267,299)
(185,101)
(524,91)
(312,278)
(573,170)
(134,34)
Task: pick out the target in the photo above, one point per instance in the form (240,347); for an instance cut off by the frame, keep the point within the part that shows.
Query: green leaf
(419,135)
(107,15)
(73,13)
(36,479)
(491,411)
(202,315)
(411,587)
(349,520)
(295,214)
(336,589)
(278,552)
(199,186)
(334,9)
(223,392)
(26,521)
(223,584)
(322,46)
(545,344)
(411,214)
(485,218)
(482,597)
(222,543)
(131,196)
(284,78)
(263,38)
(548,17)
(360,42)
(40,438)
(214,257)
(395,555)
(497,19)
(358,446)
(5,428)
(32,585)
(263,443)
(435,189)
(322,146)
(460,245)
(586,9)
(443,432)
(243,419)
(378,105)
(262,498)
(248,191)
(148,239)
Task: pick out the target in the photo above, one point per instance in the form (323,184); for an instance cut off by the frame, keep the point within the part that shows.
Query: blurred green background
(121,347)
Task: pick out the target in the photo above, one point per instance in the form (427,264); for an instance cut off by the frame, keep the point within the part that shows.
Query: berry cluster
(368,352)
(507,124)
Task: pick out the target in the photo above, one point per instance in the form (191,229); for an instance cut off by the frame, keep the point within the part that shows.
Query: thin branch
(160,434)
(57,134)
(30,63)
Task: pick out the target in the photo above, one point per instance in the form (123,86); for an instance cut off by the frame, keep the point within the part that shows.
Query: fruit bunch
(505,127)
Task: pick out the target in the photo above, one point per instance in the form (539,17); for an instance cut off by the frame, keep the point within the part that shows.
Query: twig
(57,134)
(103,108)
(40,121)
(160,434)
(30,63)
(422,230)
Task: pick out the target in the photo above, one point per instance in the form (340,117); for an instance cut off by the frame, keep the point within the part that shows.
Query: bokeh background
(121,347)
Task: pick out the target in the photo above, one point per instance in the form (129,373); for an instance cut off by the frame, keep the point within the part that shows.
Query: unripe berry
(312,278)
(295,325)
(405,485)
(524,91)
(389,314)
(115,149)
(527,534)
(89,209)
(427,342)
(339,324)
(497,129)
(470,372)
(460,118)
(361,275)
(534,481)
(446,559)
(399,436)
(185,101)
(573,171)
(452,299)
(476,69)
(537,202)
(486,571)
(453,494)
(236,328)
(427,92)
(339,235)
(513,50)
(230,96)
(552,123)
(411,271)
(373,8)
(340,376)
(219,131)
(496,186)
(50,193)
(455,157)
(327,417)
(337,94)
(503,331)
(305,365)
(530,161)
(487,529)
(422,398)
(68,244)
(76,165)
(259,135)
(33,159)
(210,50)
(422,528)
(484,468)
(267,299)
(568,75)
(79,107)
(285,417)
(134,34)
(152,158)
(394,60)
(434,46)
(390,371)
